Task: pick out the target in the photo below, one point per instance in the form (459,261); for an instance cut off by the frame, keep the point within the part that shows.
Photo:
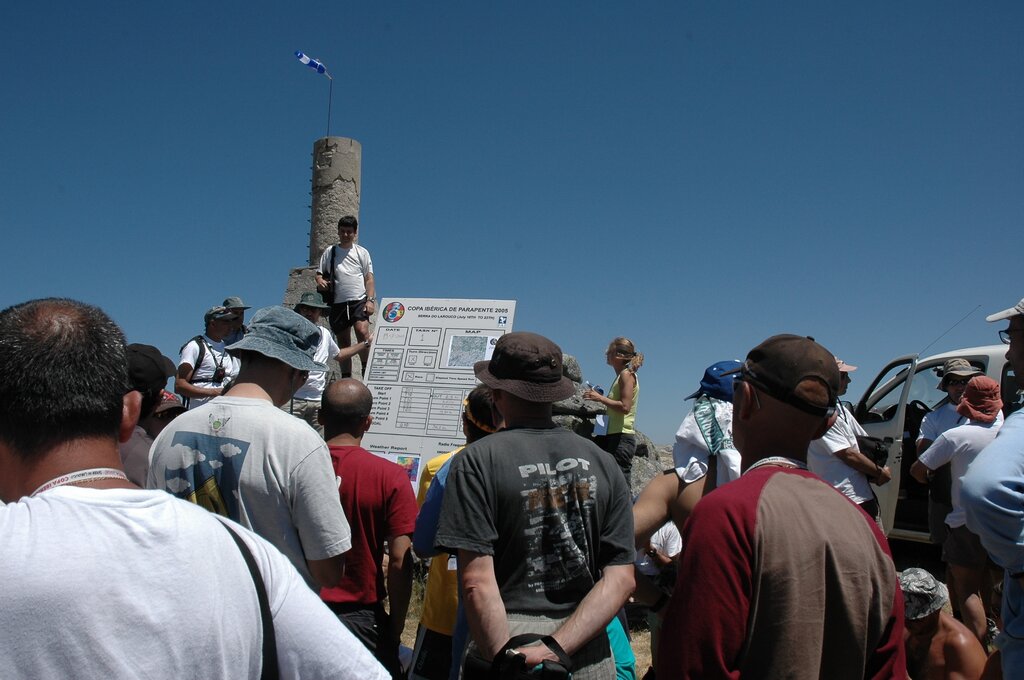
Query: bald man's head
(345,408)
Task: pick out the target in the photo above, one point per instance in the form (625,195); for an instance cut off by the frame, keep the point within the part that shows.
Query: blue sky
(696,176)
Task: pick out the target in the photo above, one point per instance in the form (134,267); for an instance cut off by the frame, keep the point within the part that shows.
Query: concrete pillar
(337,164)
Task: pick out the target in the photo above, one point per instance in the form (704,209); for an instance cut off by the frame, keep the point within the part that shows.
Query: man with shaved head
(381,508)
(781,575)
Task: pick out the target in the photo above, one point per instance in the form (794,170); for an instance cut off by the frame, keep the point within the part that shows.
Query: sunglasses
(1007,334)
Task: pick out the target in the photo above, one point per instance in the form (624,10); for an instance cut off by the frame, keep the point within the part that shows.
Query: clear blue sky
(696,176)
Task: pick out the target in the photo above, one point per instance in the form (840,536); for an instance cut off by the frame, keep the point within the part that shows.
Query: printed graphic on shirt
(206,470)
(556,507)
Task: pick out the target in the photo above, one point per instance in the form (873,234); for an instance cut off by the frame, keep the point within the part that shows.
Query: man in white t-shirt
(100,579)
(206,366)
(240,456)
(955,374)
(837,459)
(959,446)
(345,278)
(305,403)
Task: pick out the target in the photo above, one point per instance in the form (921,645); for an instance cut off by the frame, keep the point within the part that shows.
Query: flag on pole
(314,64)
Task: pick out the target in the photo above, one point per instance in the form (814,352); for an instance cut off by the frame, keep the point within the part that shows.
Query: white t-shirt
(667,541)
(959,447)
(944,418)
(822,461)
(125,583)
(214,356)
(351,267)
(938,421)
(315,384)
(269,471)
(690,451)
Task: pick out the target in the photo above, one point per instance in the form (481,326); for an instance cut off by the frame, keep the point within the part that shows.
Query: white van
(893,407)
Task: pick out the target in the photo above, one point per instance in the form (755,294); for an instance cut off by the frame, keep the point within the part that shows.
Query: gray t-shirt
(248,460)
(550,506)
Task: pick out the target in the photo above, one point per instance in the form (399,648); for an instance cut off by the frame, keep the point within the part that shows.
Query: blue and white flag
(312,63)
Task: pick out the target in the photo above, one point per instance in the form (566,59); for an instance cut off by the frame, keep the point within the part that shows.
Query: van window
(924,389)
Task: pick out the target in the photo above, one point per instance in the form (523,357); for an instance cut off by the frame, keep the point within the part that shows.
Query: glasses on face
(957,382)
(1007,334)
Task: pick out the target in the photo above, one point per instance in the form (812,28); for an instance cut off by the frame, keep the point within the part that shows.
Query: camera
(218,375)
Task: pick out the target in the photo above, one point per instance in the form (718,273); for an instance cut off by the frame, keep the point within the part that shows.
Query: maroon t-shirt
(379,503)
(782,576)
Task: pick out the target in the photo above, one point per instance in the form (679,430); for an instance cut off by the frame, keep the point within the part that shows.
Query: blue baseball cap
(715,384)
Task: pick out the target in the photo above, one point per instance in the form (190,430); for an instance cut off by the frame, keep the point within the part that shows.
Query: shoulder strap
(270,669)
(199,358)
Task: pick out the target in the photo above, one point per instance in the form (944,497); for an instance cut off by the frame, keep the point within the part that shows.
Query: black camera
(218,375)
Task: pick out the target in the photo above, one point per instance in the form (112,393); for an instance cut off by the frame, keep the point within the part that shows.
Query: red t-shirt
(378,502)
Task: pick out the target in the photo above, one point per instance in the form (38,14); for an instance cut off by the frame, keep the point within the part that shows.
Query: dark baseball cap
(528,366)
(781,365)
(148,369)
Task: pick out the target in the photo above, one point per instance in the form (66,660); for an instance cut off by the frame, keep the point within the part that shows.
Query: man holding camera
(205,365)
(345,278)
(837,458)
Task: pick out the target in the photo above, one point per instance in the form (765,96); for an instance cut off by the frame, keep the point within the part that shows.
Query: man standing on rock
(345,278)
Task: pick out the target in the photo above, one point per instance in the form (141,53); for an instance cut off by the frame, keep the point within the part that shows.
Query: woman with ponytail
(621,403)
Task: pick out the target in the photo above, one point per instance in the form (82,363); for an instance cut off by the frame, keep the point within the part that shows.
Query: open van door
(882,412)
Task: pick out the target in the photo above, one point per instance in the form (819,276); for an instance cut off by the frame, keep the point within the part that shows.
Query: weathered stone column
(337,166)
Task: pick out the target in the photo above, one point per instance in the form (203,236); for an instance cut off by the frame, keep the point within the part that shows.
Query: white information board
(421,369)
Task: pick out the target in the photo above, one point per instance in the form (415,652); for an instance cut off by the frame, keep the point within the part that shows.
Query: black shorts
(963,548)
(370,624)
(345,314)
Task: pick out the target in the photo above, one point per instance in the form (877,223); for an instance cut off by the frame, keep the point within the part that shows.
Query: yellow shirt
(442,595)
(622,422)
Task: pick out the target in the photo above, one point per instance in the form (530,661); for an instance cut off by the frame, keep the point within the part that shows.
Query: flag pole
(330,99)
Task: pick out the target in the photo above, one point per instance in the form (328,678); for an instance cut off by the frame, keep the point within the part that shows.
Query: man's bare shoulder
(963,655)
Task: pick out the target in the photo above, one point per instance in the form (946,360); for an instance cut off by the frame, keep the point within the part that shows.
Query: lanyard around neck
(90,475)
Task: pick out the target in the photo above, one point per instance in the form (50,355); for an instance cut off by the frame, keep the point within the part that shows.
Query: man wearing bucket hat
(992,493)
(305,404)
(959,446)
(786,578)
(954,375)
(540,519)
(938,646)
(235,305)
(242,457)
